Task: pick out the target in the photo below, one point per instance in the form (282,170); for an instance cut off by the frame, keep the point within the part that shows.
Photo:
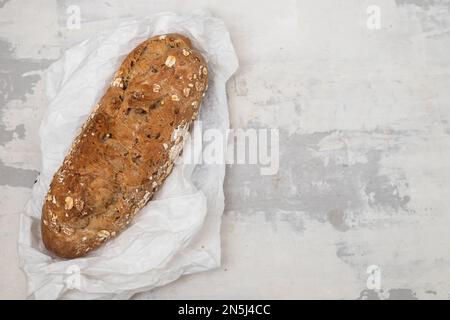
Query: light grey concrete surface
(363,115)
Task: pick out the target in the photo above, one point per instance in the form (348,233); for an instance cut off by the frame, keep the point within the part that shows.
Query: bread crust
(126,148)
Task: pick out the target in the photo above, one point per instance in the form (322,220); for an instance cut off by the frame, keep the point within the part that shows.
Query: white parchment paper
(176,233)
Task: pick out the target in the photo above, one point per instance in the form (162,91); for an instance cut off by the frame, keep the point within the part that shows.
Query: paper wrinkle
(176,233)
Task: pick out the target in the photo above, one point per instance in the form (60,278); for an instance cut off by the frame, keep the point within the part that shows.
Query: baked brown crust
(126,148)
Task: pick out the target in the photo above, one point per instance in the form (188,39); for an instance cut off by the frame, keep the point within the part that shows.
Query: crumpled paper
(176,233)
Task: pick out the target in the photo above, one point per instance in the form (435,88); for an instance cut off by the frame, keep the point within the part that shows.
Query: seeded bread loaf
(126,148)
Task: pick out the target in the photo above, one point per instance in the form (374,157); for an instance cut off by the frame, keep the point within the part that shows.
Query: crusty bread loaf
(126,148)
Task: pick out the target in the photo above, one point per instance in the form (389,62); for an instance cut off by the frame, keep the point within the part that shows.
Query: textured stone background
(363,115)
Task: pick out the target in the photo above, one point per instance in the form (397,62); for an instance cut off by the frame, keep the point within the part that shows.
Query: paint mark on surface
(342,251)
(320,182)
(369,295)
(294,219)
(431,14)
(15,177)
(14,85)
(382,192)
(3,2)
(424,4)
(392,294)
(352,254)
(402,294)
(337,219)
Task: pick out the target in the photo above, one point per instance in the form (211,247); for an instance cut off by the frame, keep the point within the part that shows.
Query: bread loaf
(127,146)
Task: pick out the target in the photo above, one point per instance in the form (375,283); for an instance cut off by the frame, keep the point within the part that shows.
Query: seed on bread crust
(170,61)
(103,234)
(68,203)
